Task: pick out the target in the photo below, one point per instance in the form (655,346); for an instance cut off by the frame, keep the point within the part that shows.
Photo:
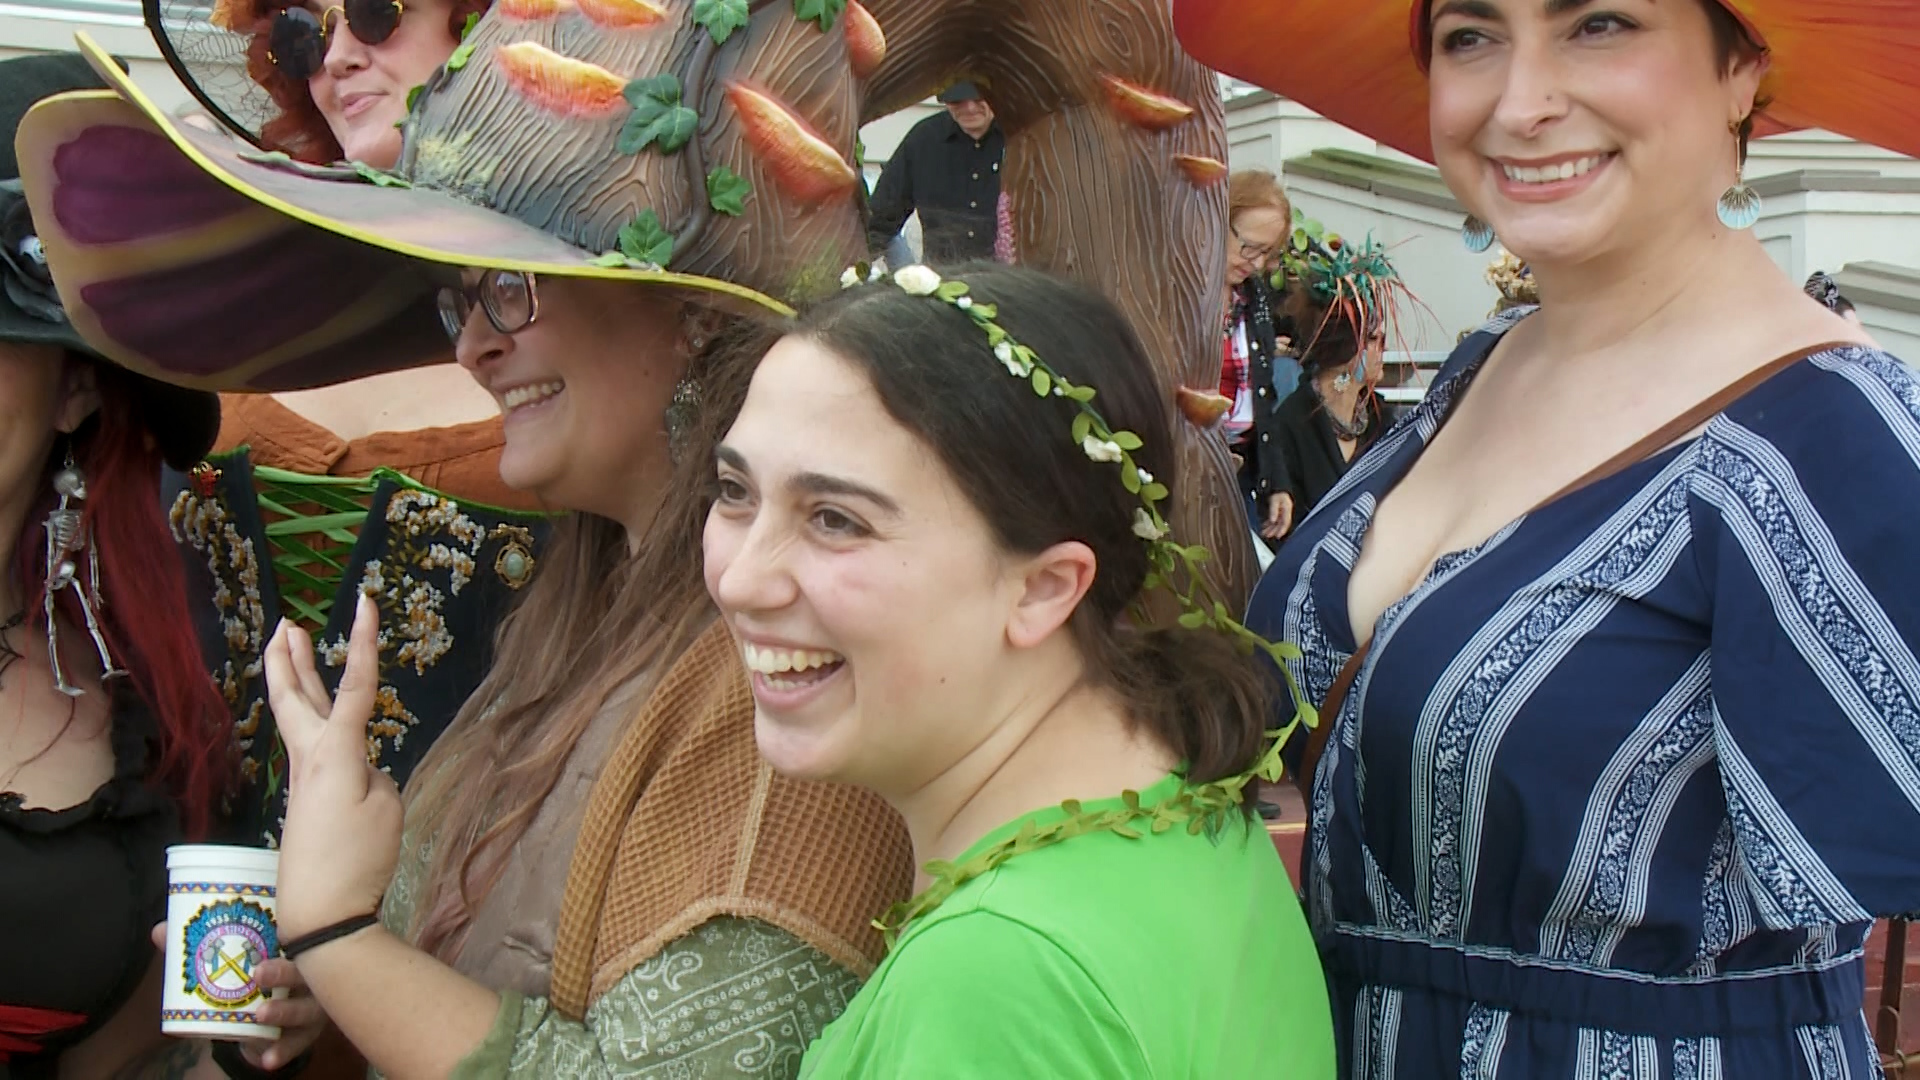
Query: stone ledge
(1368,172)
(1882,285)
(1838,180)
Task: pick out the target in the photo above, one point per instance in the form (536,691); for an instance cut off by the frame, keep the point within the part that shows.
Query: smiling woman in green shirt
(931,585)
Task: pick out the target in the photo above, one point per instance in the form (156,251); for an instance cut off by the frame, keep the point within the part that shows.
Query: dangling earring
(66,540)
(1476,234)
(1739,206)
(682,413)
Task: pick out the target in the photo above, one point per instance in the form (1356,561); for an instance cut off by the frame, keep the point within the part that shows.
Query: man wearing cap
(948,169)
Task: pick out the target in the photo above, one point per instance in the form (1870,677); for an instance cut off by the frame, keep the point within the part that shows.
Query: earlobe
(1055,582)
(82,398)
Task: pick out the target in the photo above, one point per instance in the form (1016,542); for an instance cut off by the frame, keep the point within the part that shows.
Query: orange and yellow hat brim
(1845,66)
(181,255)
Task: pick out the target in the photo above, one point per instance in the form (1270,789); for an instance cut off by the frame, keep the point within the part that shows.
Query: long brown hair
(594,619)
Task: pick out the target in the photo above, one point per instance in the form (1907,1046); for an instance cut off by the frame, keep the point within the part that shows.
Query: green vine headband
(1173,566)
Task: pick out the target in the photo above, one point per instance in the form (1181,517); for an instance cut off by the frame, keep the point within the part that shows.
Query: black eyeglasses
(1250,252)
(297,42)
(507,297)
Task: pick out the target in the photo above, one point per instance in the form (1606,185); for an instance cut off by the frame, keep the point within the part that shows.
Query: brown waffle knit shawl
(687,823)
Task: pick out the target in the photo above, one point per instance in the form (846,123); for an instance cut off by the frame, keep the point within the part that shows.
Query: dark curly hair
(300,130)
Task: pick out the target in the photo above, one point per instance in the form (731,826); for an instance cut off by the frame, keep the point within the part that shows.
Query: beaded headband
(1174,567)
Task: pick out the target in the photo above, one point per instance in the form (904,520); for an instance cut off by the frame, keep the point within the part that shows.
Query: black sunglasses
(297,42)
(507,297)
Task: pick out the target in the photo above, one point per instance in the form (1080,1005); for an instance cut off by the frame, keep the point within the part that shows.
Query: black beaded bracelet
(308,942)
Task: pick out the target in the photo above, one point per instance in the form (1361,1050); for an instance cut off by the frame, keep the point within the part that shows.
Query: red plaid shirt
(1233,364)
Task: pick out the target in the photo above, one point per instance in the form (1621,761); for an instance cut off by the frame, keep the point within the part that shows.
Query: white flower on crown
(1145,476)
(1098,449)
(916,280)
(965,303)
(850,277)
(1009,359)
(1144,528)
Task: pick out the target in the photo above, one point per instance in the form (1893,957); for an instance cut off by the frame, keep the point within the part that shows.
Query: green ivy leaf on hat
(823,12)
(378,177)
(658,116)
(727,191)
(645,240)
(720,17)
(465,50)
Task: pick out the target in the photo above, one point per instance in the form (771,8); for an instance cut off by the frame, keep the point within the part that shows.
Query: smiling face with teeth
(867,667)
(1578,131)
(584,391)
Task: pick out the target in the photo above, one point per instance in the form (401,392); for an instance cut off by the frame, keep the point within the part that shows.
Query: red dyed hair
(300,131)
(143,613)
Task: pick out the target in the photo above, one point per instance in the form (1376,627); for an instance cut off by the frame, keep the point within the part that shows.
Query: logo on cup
(224,943)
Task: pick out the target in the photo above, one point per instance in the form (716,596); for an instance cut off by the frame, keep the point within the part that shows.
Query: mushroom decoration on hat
(580,138)
(569,132)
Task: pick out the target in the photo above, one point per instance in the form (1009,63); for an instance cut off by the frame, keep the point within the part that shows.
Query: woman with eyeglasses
(1256,372)
(591,872)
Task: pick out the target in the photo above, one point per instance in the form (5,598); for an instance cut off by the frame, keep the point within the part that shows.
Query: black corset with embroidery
(444,573)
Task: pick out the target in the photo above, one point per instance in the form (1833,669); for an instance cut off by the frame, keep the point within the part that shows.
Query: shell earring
(1739,206)
(1476,234)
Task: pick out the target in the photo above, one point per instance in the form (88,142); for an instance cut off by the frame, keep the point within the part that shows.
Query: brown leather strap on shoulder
(1666,435)
(1329,712)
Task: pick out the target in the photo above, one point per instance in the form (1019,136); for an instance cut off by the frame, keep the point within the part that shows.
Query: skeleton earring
(67,542)
(1739,206)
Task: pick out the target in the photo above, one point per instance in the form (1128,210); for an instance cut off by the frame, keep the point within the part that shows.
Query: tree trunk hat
(183,422)
(1846,66)
(701,146)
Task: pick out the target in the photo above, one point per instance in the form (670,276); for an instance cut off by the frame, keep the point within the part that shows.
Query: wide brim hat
(183,423)
(1846,66)
(622,140)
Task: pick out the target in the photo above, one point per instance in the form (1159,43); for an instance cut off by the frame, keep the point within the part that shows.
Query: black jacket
(1264,328)
(1312,449)
(952,179)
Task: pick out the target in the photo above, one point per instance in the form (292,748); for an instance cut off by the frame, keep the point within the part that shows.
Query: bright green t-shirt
(1100,957)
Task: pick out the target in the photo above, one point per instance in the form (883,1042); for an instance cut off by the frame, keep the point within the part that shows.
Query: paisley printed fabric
(735,998)
(1619,792)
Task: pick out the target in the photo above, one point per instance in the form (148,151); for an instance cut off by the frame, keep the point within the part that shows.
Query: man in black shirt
(947,168)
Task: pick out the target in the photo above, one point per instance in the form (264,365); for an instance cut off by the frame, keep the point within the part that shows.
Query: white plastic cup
(220,926)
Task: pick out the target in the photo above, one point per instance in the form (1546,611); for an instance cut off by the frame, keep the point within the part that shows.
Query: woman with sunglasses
(1613,638)
(339,483)
(1256,372)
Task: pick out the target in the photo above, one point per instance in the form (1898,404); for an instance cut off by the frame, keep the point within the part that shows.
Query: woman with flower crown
(899,504)
(1613,638)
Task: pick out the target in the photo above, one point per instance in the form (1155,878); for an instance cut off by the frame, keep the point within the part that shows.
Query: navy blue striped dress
(1618,792)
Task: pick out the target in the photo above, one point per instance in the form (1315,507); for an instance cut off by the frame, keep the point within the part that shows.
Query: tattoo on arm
(172,1062)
